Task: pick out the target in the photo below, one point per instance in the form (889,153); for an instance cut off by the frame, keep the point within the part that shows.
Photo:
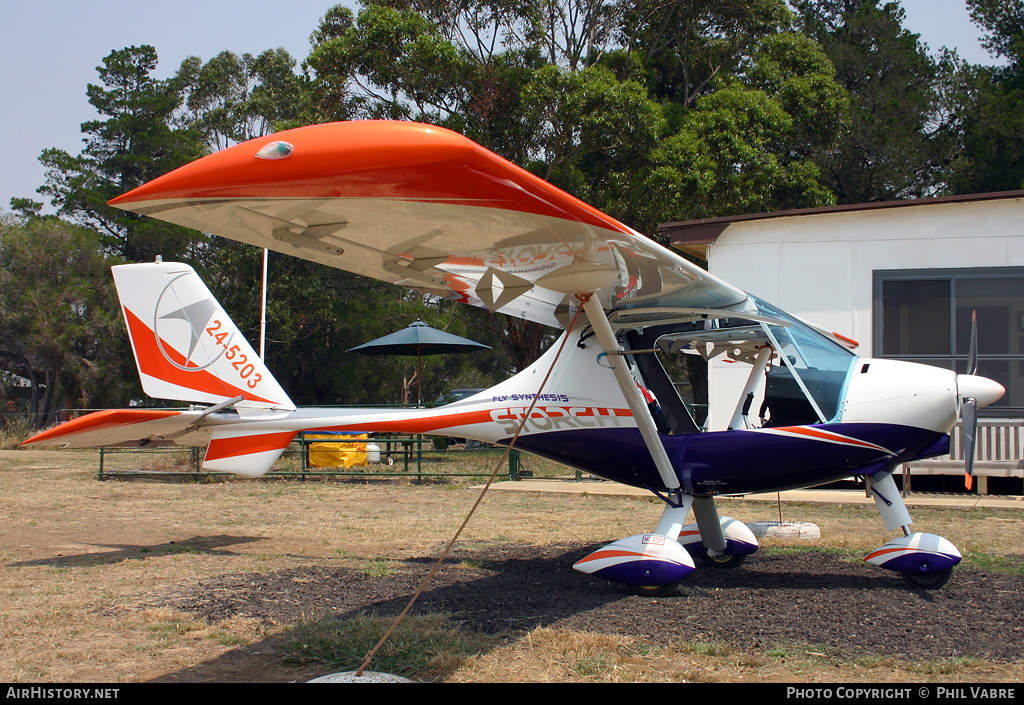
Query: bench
(999,452)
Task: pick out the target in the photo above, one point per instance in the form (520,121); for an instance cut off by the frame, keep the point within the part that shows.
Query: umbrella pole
(419,379)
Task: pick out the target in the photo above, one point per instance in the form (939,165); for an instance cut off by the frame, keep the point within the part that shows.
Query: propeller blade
(969,415)
(972,355)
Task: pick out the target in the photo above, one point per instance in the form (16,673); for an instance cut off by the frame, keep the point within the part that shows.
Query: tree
(725,159)
(649,111)
(601,99)
(497,73)
(687,45)
(992,114)
(894,143)
(232,98)
(60,321)
(135,144)
(749,145)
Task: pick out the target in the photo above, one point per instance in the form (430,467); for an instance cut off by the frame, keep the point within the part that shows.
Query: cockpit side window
(813,364)
(673,412)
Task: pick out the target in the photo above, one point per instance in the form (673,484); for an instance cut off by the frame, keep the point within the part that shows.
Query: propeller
(973,391)
(969,406)
(969,416)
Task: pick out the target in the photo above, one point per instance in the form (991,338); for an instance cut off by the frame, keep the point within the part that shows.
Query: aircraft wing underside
(424,207)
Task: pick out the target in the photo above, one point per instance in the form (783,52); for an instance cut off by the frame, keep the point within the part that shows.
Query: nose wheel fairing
(924,560)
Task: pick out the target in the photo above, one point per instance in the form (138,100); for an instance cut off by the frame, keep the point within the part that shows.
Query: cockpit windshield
(797,375)
(813,373)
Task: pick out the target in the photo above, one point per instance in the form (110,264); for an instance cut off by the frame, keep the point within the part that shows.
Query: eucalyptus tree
(518,77)
(897,139)
(233,98)
(136,141)
(992,115)
(688,45)
(60,322)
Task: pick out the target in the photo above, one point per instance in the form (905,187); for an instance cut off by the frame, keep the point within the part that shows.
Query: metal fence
(414,458)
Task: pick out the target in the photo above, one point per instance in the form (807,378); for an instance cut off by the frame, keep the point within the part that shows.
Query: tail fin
(186,347)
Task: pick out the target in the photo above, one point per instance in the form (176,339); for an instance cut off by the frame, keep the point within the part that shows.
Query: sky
(51,49)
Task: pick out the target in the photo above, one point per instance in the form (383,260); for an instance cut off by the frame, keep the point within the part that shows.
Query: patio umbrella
(418,339)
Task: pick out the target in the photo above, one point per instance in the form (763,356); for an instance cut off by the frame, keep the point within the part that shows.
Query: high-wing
(425,207)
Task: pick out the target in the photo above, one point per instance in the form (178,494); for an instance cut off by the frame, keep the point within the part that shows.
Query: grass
(380,567)
(422,648)
(1008,565)
(83,559)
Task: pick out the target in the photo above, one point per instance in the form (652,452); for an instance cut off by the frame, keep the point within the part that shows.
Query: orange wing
(424,207)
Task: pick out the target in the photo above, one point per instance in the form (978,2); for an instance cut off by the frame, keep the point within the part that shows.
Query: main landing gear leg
(711,534)
(924,560)
(672,518)
(719,542)
(652,563)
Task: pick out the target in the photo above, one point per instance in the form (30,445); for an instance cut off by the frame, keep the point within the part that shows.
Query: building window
(924,315)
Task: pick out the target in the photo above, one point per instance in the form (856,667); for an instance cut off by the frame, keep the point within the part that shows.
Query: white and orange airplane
(426,208)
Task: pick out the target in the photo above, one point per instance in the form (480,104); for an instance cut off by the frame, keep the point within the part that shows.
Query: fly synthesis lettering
(564,398)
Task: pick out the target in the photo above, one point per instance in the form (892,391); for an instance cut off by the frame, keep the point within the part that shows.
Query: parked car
(453,395)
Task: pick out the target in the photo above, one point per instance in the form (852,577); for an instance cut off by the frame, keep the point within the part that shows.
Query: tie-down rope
(583,298)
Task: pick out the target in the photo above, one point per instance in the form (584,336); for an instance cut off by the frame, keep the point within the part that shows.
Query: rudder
(185,345)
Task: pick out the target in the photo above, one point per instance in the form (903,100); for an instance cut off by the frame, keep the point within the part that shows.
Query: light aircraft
(426,208)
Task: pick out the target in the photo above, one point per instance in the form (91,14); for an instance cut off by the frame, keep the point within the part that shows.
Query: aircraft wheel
(723,561)
(928,581)
(656,590)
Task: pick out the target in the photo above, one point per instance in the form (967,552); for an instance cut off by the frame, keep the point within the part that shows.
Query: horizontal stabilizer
(133,428)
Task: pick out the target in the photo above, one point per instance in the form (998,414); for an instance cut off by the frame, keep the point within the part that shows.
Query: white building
(902,278)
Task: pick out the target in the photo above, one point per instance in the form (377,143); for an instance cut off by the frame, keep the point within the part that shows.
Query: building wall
(820,267)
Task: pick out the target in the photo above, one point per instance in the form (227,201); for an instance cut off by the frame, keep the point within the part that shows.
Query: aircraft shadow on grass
(211,545)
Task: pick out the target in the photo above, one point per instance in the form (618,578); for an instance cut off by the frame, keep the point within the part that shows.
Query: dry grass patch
(85,567)
(564,656)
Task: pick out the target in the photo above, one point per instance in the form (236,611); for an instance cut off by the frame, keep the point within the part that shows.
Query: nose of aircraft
(985,390)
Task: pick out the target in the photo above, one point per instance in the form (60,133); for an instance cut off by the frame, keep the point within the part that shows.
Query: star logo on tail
(178,328)
(196,316)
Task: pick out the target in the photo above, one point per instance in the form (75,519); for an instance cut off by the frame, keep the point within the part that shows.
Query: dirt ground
(135,581)
(840,605)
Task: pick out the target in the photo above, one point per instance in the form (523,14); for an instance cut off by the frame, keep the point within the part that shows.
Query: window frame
(956,360)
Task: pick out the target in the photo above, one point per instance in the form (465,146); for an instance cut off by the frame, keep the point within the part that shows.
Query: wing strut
(630,390)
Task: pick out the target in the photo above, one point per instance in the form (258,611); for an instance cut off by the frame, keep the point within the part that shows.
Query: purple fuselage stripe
(738,462)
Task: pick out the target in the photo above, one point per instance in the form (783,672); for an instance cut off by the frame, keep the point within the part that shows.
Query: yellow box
(337,450)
